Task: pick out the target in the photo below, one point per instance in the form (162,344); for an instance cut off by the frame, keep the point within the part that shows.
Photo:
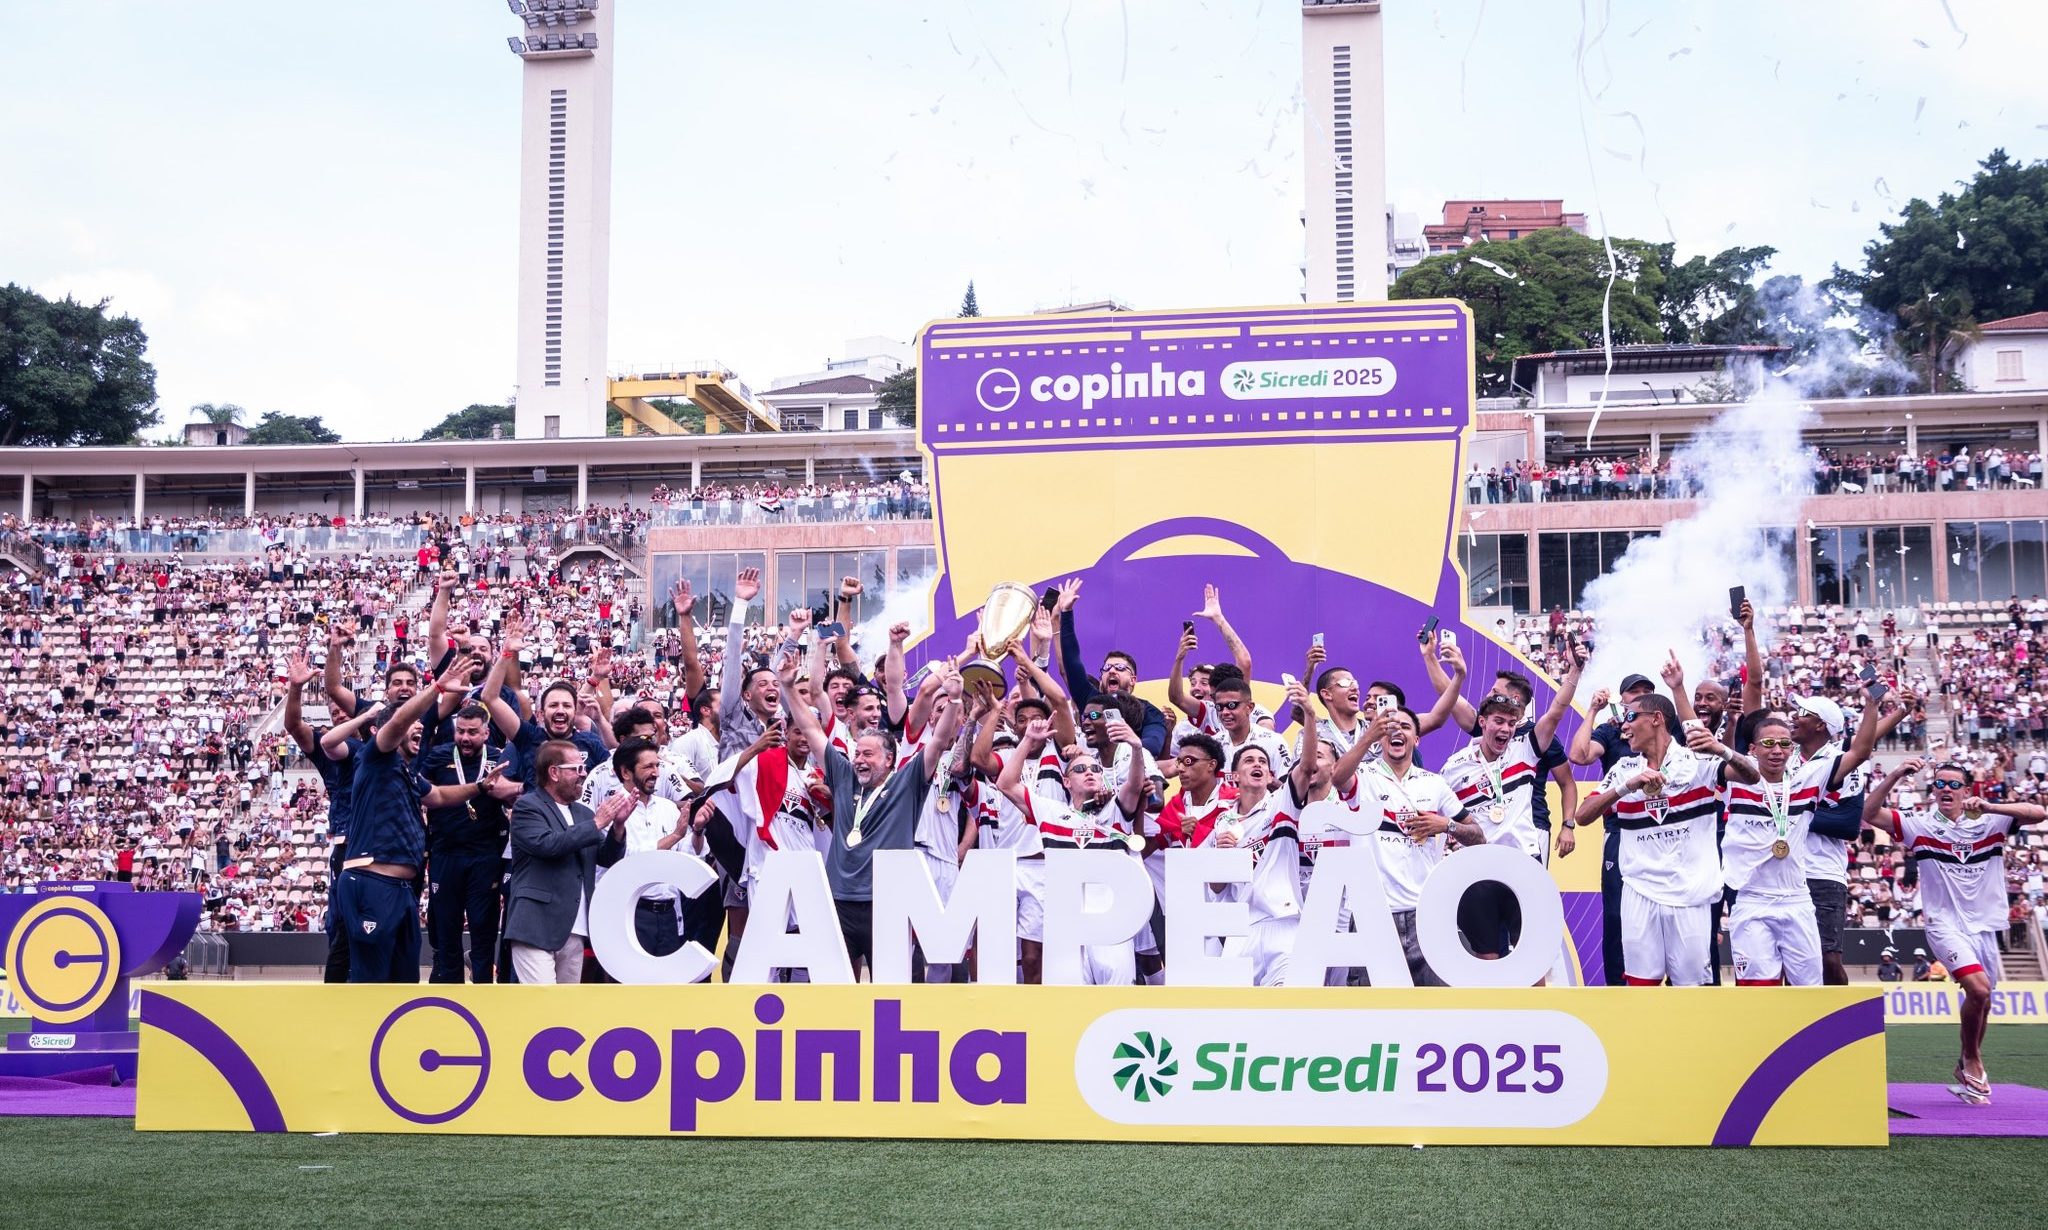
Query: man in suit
(555,842)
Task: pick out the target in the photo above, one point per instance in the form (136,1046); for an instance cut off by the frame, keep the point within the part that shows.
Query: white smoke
(1669,592)
(1752,473)
(905,602)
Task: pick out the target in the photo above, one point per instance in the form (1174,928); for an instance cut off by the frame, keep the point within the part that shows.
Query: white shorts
(1664,941)
(1031,899)
(1773,938)
(1965,951)
(1109,965)
(1272,943)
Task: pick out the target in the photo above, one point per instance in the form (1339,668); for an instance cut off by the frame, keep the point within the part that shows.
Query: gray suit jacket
(552,862)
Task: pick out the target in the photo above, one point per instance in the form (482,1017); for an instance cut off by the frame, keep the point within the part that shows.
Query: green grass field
(102,1173)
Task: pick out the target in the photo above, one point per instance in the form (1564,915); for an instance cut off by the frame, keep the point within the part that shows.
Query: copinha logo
(1145,1066)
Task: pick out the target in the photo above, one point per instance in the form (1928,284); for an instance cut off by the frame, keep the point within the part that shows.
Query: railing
(203,540)
(793,510)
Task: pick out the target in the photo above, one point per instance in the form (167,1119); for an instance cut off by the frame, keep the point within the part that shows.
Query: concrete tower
(565,206)
(1344,99)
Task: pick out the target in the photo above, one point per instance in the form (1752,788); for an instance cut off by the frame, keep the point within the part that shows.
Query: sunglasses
(1629,715)
(1084,766)
(1229,706)
(1774,743)
(1943,783)
(1092,715)
(1192,759)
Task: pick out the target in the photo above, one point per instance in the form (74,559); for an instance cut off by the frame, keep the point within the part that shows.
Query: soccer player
(1416,809)
(1089,815)
(1771,929)
(1666,802)
(1817,729)
(1605,744)
(1958,847)
(1265,820)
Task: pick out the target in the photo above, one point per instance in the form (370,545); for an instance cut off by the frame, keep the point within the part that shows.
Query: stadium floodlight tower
(565,205)
(1344,96)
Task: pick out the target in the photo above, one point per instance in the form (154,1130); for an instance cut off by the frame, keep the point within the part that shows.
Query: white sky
(314,211)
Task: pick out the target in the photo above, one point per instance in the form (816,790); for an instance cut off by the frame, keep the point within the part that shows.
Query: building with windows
(1468,222)
(2005,355)
(1345,151)
(1660,373)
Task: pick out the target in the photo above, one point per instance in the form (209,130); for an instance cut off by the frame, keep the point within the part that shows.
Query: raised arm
(1583,749)
(415,707)
(1305,749)
(298,674)
(1674,678)
(1011,780)
(1176,679)
(686,624)
(1348,763)
(1212,610)
(340,696)
(437,617)
(806,721)
(1560,704)
(1130,794)
(503,715)
(892,675)
(1055,696)
(1752,661)
(946,720)
(1447,699)
(1875,813)
(1864,741)
(1072,669)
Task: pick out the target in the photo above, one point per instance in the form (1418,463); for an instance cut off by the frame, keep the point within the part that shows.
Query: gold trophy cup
(1005,617)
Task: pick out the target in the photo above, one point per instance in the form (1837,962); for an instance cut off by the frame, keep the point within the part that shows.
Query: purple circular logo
(64,959)
(431,1059)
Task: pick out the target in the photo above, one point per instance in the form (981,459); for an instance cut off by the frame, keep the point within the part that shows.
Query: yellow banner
(1612,1066)
(1929,1003)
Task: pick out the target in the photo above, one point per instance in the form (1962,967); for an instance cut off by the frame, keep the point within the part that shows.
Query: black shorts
(1830,908)
(857,923)
(1490,917)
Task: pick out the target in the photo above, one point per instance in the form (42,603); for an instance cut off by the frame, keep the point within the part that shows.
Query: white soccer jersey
(1064,827)
(800,814)
(1202,716)
(1759,817)
(1961,864)
(1500,794)
(1667,840)
(1002,825)
(1268,829)
(1820,856)
(1404,862)
(1329,732)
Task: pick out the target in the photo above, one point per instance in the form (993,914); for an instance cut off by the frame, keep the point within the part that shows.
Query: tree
(1544,292)
(70,373)
(1971,256)
(1713,299)
(226,414)
(472,422)
(275,428)
(897,397)
(969,305)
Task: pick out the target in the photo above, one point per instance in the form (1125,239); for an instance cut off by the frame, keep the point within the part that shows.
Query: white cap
(1829,713)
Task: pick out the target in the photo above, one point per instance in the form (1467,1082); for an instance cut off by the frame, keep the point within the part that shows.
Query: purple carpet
(85,1092)
(2015,1110)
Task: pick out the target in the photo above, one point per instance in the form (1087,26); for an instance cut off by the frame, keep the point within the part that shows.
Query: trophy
(1004,618)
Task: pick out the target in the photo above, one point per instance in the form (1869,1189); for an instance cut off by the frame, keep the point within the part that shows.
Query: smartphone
(1186,626)
(1868,675)
(1428,630)
(832,631)
(1736,597)
(1049,599)
(1316,641)
(1287,680)
(1450,637)
(1383,703)
(1878,692)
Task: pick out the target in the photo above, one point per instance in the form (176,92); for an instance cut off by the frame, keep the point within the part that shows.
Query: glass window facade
(710,574)
(1872,566)
(1566,562)
(1496,570)
(811,578)
(1989,561)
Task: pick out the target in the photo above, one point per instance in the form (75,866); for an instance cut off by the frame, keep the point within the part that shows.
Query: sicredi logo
(1341,1068)
(52,1042)
(1370,376)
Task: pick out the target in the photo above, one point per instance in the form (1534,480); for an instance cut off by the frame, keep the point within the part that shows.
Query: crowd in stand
(903,498)
(1643,477)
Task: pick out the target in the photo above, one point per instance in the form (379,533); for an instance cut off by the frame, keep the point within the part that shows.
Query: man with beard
(465,848)
(875,806)
(1119,673)
(378,894)
(654,823)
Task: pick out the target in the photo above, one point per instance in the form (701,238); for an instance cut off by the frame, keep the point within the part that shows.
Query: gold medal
(1780,848)
(852,838)
(1135,843)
